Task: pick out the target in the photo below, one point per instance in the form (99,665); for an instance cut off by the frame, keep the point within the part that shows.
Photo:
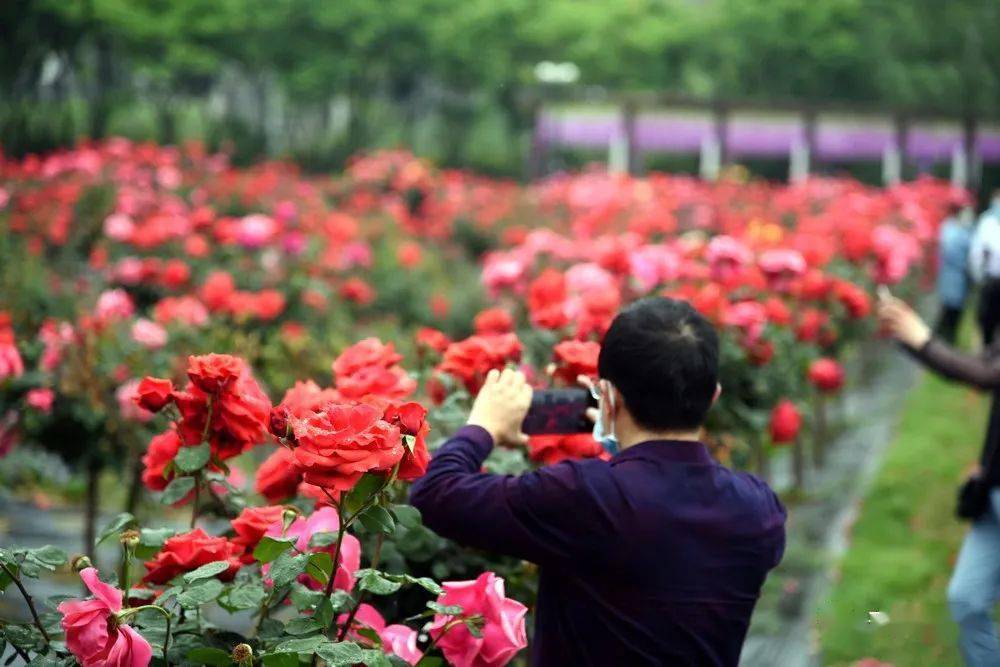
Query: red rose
(814,285)
(810,326)
(277,477)
(252,523)
(493,321)
(854,299)
(411,418)
(369,367)
(268,304)
(214,372)
(365,353)
(471,359)
(574,358)
(189,551)
(278,422)
(153,394)
(777,312)
(217,290)
(340,443)
(159,454)
(547,300)
(358,291)
(240,411)
(391,382)
(826,375)
(176,274)
(432,339)
(306,396)
(551,449)
(785,422)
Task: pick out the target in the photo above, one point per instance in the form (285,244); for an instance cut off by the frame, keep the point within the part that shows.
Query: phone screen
(558,411)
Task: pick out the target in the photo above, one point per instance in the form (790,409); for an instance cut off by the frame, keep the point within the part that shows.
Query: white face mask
(605,433)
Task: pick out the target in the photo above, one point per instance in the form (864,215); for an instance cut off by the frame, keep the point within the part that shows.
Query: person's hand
(587,383)
(903,323)
(501,405)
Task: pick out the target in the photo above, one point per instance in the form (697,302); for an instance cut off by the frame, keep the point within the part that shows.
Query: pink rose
(255,231)
(127,395)
(114,304)
(93,634)
(41,399)
(397,640)
(119,227)
(503,634)
(149,334)
(323,520)
(11,364)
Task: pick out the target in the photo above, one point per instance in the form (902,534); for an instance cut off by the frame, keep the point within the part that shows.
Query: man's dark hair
(663,357)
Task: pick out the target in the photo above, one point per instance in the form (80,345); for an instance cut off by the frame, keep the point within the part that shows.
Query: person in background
(954,242)
(973,591)
(655,557)
(984,265)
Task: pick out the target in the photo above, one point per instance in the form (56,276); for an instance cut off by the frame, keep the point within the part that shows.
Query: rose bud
(153,394)
(278,423)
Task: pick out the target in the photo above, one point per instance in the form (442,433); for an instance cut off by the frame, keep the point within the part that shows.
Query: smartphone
(559,411)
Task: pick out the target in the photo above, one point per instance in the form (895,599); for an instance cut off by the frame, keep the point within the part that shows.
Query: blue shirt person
(656,557)
(954,252)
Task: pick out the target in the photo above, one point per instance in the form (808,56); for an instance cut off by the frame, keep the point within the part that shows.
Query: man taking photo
(655,557)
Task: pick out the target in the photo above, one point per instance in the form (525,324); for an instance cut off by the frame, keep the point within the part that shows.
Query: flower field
(261,360)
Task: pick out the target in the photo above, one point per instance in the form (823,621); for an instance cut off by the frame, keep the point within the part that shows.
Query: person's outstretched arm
(907,327)
(979,371)
(531,516)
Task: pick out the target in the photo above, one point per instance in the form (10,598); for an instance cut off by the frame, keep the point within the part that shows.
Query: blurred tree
(466,60)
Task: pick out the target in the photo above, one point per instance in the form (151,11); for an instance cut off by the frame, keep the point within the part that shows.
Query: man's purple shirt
(655,557)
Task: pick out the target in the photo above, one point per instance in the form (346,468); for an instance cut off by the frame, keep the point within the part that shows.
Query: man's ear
(718,392)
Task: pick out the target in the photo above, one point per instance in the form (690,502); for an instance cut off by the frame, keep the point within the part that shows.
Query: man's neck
(635,438)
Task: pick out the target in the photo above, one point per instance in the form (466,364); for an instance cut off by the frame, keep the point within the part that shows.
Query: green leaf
(426,583)
(373,581)
(200,594)
(374,657)
(324,612)
(430,661)
(320,540)
(48,555)
(281,660)
(177,490)
(155,537)
(341,653)
(302,626)
(366,487)
(5,579)
(320,566)
(246,596)
(303,598)
(207,571)
(445,610)
(408,516)
(116,525)
(377,520)
(286,568)
(193,459)
(270,548)
(206,655)
(303,645)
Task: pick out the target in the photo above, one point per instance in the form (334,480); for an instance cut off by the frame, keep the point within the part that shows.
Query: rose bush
(268,357)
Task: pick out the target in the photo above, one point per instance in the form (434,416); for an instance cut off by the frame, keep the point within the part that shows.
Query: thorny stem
(361,596)
(198,476)
(28,599)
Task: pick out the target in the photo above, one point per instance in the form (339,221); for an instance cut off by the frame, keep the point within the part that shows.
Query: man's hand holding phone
(501,405)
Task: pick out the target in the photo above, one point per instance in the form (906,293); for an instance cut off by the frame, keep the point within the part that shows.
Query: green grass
(906,539)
